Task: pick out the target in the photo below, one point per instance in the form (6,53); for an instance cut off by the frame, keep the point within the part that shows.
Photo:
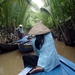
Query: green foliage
(12,12)
(15,12)
(45,18)
(60,10)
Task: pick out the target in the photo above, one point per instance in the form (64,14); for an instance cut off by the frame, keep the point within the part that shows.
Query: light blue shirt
(20,29)
(48,57)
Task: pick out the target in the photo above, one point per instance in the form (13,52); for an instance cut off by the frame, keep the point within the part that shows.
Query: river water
(11,63)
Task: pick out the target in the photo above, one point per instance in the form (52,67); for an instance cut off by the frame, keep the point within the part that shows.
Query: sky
(38,2)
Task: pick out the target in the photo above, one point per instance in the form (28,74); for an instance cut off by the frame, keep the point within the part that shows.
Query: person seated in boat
(20,31)
(46,58)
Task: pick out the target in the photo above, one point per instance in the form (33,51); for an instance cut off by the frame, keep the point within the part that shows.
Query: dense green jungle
(58,15)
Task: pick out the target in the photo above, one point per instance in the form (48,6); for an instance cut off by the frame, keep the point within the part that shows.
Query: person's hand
(36,69)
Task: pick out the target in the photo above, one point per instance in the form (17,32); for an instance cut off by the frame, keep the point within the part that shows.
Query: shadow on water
(11,63)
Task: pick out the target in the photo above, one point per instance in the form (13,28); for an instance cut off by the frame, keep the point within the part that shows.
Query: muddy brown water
(11,63)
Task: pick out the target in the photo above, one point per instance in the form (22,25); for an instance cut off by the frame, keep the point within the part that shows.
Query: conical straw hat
(20,25)
(38,29)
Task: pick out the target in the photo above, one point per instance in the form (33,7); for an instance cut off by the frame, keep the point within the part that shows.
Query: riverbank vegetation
(58,15)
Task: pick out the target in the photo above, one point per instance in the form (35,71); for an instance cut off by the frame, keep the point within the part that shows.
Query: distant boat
(8,47)
(26,47)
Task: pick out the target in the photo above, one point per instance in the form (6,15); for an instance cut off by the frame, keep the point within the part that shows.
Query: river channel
(11,63)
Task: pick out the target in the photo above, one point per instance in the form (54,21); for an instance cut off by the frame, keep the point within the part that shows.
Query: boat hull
(27,47)
(8,47)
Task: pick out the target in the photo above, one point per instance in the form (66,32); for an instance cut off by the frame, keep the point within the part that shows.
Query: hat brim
(39,29)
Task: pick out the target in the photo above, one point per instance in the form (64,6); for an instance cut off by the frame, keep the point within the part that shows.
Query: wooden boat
(26,47)
(8,47)
(66,67)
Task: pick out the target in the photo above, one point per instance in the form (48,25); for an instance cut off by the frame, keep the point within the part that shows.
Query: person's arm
(36,69)
(16,28)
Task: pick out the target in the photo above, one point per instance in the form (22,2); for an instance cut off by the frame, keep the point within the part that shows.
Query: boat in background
(26,47)
(7,47)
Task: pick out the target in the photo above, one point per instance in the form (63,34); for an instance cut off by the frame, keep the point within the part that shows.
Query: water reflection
(11,63)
